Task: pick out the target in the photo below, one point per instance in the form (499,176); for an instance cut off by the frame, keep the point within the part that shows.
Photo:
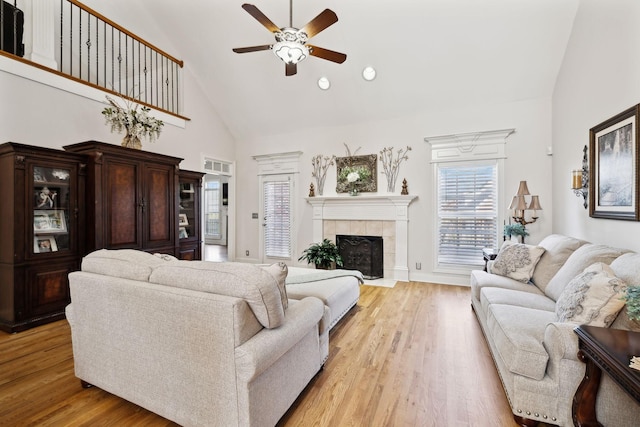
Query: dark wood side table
(608,350)
(489,254)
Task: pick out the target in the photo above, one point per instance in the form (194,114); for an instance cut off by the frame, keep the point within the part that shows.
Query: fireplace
(362,253)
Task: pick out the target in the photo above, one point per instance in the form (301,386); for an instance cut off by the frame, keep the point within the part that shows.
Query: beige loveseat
(534,350)
(200,343)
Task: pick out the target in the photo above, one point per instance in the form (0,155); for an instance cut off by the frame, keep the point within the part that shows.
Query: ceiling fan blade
(329,55)
(251,48)
(261,17)
(325,19)
(290,69)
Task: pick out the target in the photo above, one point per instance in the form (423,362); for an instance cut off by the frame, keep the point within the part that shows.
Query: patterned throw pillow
(593,297)
(517,260)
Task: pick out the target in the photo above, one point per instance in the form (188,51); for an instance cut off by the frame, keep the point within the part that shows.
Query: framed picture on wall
(613,169)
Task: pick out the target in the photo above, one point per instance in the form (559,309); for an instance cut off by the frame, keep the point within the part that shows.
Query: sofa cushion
(240,280)
(490,296)
(557,248)
(518,333)
(582,258)
(516,260)
(123,263)
(481,279)
(592,298)
(279,272)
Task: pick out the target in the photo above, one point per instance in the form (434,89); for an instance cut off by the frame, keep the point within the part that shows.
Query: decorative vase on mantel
(131,141)
(354,191)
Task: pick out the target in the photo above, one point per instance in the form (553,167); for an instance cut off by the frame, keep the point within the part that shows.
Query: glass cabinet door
(51,208)
(187,216)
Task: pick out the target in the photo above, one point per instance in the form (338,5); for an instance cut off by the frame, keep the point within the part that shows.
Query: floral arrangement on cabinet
(134,119)
(391,164)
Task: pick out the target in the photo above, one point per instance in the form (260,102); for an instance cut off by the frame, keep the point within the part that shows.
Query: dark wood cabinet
(132,198)
(42,232)
(189,215)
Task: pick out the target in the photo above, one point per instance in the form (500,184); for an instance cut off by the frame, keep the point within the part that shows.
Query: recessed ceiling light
(324,83)
(369,73)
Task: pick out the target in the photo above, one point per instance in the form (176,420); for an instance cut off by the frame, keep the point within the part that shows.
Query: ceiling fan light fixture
(369,73)
(290,52)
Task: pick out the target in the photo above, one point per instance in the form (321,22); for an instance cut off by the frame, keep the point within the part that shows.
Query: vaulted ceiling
(429,55)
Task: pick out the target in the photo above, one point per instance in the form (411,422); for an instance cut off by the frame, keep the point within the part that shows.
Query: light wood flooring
(412,355)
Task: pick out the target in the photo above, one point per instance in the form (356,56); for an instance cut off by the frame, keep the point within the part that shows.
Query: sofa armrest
(560,341)
(267,346)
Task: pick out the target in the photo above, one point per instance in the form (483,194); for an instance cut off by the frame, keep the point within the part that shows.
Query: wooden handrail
(124,30)
(75,79)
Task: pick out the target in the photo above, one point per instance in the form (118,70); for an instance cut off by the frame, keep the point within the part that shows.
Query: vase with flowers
(354,176)
(134,119)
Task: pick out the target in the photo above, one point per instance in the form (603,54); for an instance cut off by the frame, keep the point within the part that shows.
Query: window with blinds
(277,215)
(467,211)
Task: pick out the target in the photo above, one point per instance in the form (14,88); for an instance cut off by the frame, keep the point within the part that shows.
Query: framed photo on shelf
(43,244)
(186,187)
(49,221)
(46,198)
(183,233)
(613,169)
(183,220)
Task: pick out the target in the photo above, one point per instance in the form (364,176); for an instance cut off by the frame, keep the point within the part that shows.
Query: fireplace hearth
(362,253)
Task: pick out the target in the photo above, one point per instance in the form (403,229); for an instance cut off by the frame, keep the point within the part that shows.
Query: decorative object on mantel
(364,166)
(320,165)
(519,205)
(391,165)
(613,167)
(134,119)
(580,179)
(312,193)
(405,188)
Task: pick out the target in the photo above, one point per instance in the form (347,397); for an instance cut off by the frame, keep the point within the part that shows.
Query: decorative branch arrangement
(320,165)
(391,164)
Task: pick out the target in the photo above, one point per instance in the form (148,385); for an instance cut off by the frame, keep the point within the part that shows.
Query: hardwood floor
(412,355)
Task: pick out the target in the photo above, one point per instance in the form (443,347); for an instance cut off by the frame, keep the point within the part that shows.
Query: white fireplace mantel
(368,208)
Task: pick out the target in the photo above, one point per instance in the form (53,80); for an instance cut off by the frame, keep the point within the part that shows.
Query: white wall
(38,114)
(527,160)
(599,78)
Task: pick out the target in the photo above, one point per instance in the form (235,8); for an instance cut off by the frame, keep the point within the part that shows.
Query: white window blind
(277,212)
(467,211)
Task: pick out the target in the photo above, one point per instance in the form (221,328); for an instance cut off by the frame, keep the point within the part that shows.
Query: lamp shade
(535,204)
(523,190)
(518,203)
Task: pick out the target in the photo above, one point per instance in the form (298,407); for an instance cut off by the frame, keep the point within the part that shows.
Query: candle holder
(580,179)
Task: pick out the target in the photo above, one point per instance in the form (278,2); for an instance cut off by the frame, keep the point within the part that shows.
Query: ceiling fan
(291,43)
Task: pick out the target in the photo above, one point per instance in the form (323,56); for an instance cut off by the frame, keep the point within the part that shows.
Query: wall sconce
(580,179)
(519,205)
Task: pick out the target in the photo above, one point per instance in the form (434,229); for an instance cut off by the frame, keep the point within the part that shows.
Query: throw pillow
(279,272)
(593,297)
(517,260)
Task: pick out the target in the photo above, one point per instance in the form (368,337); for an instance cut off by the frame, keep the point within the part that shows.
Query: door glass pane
(212,209)
(51,209)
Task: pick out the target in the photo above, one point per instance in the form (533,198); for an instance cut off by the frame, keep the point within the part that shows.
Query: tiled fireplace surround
(363,215)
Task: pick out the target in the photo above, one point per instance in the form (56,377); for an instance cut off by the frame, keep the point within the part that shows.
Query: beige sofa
(535,352)
(202,344)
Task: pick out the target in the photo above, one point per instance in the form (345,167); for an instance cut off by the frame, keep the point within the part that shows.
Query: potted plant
(517,230)
(323,255)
